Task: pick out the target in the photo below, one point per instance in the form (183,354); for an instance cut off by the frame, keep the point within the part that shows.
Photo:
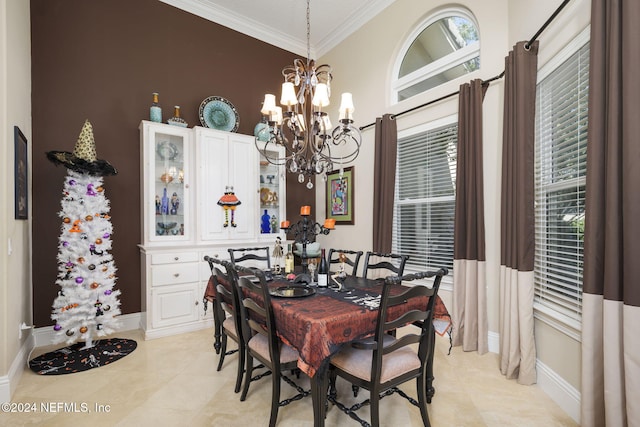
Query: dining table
(317,322)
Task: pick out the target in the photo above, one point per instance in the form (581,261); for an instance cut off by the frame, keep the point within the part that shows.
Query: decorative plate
(262,132)
(265,195)
(292,291)
(218,113)
(167,150)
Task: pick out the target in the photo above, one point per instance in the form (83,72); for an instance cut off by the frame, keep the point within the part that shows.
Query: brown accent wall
(101,60)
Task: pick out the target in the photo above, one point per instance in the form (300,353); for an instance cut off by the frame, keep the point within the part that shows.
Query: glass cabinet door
(168,202)
(272,192)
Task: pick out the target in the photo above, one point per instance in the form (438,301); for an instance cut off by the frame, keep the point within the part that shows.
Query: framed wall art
(21,175)
(340,192)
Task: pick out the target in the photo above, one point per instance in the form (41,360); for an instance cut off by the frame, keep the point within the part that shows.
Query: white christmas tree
(87,304)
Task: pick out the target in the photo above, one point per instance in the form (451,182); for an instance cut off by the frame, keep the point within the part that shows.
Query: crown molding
(356,20)
(343,26)
(209,10)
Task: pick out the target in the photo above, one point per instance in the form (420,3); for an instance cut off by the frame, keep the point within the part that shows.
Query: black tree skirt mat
(74,358)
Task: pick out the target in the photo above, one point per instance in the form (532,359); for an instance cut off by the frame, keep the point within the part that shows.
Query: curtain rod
(484,82)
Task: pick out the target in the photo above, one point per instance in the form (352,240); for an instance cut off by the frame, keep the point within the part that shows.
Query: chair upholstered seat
(382,362)
(226,314)
(357,362)
(260,344)
(258,327)
(229,326)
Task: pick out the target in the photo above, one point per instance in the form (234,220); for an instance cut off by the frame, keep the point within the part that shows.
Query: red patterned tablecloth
(318,325)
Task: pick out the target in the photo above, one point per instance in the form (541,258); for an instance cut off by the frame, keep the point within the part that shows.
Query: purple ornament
(65,244)
(72,182)
(106,235)
(91,191)
(107,292)
(79,280)
(57,327)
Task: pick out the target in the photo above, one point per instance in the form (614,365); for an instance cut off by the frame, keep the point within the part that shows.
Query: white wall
(362,65)
(15,264)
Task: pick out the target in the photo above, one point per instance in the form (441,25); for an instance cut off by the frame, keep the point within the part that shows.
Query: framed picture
(340,196)
(21,175)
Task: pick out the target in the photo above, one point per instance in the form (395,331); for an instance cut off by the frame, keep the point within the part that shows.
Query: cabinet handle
(176,258)
(197,302)
(176,275)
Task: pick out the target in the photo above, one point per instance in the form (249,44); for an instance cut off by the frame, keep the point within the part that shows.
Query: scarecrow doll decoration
(229,202)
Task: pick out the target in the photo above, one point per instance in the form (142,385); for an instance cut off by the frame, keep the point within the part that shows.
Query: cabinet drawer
(175,257)
(171,274)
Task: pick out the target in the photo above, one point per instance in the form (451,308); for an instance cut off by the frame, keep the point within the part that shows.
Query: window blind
(560,177)
(425,198)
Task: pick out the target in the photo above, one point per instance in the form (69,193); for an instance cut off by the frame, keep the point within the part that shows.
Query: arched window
(446,46)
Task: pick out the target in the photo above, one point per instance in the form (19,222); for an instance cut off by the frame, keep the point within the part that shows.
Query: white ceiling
(282,23)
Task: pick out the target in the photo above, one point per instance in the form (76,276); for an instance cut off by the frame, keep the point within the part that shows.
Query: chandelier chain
(308,31)
(302,137)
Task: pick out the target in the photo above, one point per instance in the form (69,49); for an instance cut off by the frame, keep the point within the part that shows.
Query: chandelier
(301,136)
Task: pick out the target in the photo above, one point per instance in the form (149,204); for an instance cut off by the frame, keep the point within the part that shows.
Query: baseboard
(41,337)
(559,390)
(494,342)
(554,386)
(151,334)
(128,322)
(9,382)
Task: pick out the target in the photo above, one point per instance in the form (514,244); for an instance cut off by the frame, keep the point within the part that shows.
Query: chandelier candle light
(304,129)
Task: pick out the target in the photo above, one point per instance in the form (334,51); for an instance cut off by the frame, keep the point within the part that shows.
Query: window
(425,195)
(445,47)
(560,177)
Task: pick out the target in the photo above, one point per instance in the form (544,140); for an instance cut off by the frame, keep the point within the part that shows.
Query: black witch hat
(84,158)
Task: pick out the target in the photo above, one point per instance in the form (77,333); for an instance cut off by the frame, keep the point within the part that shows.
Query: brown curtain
(384,181)
(611,294)
(469,265)
(517,234)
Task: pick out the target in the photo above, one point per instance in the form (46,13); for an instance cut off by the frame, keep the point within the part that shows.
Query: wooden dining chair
(386,264)
(261,339)
(352,259)
(226,315)
(381,364)
(251,257)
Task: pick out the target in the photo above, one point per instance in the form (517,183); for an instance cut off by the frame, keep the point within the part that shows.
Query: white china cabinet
(202,193)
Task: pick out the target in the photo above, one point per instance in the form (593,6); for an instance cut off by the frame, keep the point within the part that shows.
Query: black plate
(292,291)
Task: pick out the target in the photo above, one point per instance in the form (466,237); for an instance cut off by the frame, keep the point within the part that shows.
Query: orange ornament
(80,260)
(88,218)
(94,285)
(76,227)
(99,189)
(98,241)
(66,220)
(83,329)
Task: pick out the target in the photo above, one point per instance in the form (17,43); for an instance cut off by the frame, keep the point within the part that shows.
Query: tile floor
(173,382)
